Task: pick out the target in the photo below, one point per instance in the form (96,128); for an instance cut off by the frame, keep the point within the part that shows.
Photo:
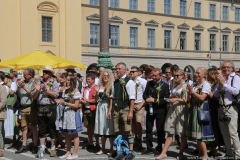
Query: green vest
(121,99)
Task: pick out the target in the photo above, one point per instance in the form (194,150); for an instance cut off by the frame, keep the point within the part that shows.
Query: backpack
(121,145)
(236,98)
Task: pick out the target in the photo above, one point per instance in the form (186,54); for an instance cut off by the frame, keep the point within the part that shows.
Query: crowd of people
(173,104)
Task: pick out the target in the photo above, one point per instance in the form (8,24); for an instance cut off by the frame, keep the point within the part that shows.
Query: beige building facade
(156,32)
(52,26)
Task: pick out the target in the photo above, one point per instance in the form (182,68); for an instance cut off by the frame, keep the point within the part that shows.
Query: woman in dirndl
(9,123)
(197,95)
(62,88)
(176,119)
(70,122)
(104,118)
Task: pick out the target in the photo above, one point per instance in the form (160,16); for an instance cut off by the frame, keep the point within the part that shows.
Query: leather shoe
(1,154)
(34,150)
(22,150)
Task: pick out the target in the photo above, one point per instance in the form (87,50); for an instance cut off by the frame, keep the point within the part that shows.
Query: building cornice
(198,28)
(140,56)
(134,21)
(48,7)
(183,26)
(158,49)
(237,31)
(213,29)
(160,14)
(168,25)
(151,23)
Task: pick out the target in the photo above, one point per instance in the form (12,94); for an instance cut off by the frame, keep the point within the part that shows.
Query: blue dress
(71,121)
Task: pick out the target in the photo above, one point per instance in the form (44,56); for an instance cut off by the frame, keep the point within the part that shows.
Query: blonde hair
(108,86)
(180,71)
(203,70)
(212,75)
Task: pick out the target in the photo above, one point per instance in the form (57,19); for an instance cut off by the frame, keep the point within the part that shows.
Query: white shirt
(229,89)
(14,86)
(206,88)
(130,87)
(190,82)
(167,81)
(7,89)
(96,80)
(86,95)
(141,88)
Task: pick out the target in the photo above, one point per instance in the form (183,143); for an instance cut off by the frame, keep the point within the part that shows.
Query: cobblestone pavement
(84,154)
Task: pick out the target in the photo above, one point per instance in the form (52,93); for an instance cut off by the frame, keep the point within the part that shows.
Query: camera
(224,118)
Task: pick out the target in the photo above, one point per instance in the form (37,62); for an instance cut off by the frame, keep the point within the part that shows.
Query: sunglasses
(226,67)
(133,71)
(177,75)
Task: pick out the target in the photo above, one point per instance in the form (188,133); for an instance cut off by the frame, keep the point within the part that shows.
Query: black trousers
(160,119)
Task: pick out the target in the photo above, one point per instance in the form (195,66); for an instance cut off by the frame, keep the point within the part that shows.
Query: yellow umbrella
(38,60)
(3,65)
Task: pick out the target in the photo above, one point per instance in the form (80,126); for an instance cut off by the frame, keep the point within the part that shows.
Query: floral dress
(197,130)
(70,121)
(176,119)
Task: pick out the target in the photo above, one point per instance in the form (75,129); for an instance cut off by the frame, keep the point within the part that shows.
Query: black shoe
(90,146)
(154,132)
(97,147)
(140,147)
(130,156)
(85,141)
(195,152)
(22,150)
(147,152)
(119,157)
(15,143)
(34,150)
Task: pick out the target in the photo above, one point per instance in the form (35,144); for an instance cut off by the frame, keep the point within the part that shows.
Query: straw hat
(48,68)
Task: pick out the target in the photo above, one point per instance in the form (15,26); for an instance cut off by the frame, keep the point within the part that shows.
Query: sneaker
(53,153)
(90,146)
(40,154)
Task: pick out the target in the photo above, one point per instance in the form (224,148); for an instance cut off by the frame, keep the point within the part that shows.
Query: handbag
(204,116)
(93,107)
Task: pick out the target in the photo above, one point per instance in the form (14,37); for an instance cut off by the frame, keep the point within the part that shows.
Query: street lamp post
(104,59)
(220,48)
